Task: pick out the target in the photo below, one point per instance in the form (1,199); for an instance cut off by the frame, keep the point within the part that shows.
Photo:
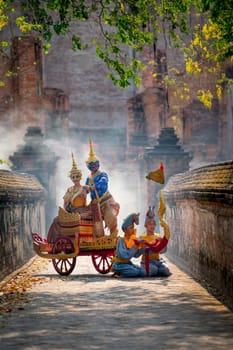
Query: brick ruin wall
(94,100)
(200,216)
(206,133)
(21,212)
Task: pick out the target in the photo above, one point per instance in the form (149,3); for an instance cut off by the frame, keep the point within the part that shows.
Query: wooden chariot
(75,237)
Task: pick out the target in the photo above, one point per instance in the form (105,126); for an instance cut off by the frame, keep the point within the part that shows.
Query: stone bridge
(199,211)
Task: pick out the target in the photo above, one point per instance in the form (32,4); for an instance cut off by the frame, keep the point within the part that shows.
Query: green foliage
(122,24)
(221,14)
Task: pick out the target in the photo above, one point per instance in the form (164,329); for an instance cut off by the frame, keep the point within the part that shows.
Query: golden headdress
(150,215)
(75,170)
(92,157)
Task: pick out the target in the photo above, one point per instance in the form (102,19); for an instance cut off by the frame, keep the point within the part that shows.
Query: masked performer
(104,207)
(128,247)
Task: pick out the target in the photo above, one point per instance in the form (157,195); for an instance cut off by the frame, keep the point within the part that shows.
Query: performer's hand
(139,242)
(142,241)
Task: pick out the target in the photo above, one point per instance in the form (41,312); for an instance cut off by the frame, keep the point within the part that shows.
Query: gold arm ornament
(161,212)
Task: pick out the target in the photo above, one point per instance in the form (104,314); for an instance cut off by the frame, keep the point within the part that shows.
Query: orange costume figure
(157,265)
(75,197)
(128,247)
(75,200)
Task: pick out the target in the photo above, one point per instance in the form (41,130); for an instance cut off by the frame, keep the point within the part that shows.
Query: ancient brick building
(206,133)
(25,100)
(98,108)
(95,102)
(69,90)
(67,93)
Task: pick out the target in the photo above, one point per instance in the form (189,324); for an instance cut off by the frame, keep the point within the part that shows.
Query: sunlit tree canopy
(131,24)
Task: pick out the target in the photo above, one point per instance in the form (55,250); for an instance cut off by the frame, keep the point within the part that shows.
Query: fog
(122,185)
(10,139)
(119,183)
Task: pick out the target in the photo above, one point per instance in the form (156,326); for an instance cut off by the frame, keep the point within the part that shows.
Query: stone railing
(200,215)
(21,212)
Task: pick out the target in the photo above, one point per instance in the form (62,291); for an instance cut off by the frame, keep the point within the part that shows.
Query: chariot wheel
(102,262)
(64,266)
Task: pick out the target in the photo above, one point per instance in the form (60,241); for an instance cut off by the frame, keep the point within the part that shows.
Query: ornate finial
(157,175)
(75,170)
(92,157)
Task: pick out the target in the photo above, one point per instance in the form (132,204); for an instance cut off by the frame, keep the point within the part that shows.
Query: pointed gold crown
(75,170)
(92,157)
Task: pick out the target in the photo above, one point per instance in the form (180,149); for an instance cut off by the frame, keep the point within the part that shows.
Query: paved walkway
(87,310)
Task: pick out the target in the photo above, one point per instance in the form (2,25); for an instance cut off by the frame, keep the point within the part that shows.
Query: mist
(123,182)
(119,184)
(10,139)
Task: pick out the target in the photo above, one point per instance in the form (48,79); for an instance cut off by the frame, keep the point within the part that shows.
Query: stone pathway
(87,310)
